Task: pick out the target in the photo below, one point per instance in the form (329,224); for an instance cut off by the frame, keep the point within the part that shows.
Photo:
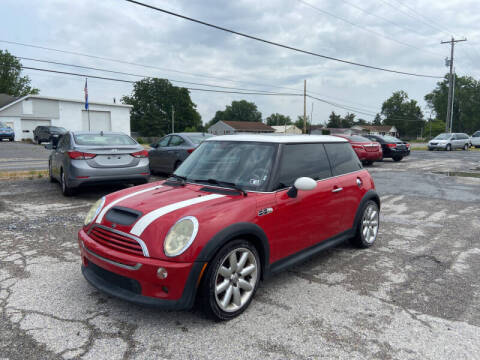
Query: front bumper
(437,146)
(7,136)
(134,278)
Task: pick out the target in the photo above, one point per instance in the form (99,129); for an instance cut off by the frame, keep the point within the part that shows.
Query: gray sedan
(171,150)
(88,158)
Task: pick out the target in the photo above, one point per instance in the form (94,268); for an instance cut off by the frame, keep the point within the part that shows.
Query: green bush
(140,140)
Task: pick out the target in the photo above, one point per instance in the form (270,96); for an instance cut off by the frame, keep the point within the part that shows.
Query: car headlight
(94,210)
(180,236)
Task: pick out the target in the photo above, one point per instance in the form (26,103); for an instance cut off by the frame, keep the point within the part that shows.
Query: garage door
(99,121)
(28,125)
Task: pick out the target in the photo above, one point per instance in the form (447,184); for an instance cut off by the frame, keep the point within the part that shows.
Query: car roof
(279,139)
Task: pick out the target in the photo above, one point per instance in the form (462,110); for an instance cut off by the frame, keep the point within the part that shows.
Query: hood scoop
(122,215)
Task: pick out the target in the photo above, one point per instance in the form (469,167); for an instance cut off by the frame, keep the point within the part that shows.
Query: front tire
(368,227)
(448,148)
(231,280)
(466,147)
(397,158)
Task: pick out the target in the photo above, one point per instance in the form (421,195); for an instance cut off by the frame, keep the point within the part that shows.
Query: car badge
(114,150)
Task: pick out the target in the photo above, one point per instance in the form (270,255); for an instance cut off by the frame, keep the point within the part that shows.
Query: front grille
(115,241)
(116,280)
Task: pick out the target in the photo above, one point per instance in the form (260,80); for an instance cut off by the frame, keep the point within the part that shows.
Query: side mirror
(302,183)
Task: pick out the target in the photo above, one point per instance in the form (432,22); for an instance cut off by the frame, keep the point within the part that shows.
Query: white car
(475,139)
(450,141)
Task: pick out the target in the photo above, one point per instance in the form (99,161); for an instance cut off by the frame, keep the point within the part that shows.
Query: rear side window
(176,141)
(343,158)
(303,160)
(476,134)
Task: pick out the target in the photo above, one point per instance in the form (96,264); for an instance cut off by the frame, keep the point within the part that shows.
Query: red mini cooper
(239,209)
(367,150)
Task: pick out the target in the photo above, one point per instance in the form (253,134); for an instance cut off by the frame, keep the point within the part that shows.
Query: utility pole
(450,79)
(304,106)
(453,100)
(173,119)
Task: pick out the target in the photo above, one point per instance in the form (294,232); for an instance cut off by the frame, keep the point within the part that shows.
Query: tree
(377,120)
(466,105)
(334,121)
(238,111)
(299,122)
(399,111)
(278,119)
(348,121)
(152,101)
(433,128)
(11,81)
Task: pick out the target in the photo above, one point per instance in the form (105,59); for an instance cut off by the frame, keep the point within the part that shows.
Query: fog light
(162,273)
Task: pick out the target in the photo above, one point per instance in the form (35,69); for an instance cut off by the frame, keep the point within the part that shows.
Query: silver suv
(450,141)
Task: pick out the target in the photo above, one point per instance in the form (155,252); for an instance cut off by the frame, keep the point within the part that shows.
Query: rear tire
(448,148)
(231,280)
(367,228)
(368,162)
(66,190)
(466,147)
(11,139)
(397,158)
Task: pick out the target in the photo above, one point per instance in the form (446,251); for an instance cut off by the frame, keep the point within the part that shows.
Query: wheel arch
(369,195)
(248,231)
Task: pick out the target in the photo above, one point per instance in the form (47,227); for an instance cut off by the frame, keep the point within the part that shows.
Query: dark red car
(367,150)
(239,209)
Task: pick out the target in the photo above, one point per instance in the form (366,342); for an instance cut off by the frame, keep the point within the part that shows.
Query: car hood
(160,206)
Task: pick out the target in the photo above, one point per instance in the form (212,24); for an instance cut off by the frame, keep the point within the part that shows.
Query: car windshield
(103,140)
(442,137)
(391,138)
(358,138)
(476,134)
(56,128)
(248,165)
(198,138)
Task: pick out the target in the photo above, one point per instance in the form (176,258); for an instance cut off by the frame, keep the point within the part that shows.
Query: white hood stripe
(146,220)
(115,202)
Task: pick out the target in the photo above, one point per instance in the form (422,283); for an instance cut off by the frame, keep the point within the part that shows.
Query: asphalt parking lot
(414,295)
(17,156)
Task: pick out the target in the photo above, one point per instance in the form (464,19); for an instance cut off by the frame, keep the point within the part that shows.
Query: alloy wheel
(370,223)
(236,279)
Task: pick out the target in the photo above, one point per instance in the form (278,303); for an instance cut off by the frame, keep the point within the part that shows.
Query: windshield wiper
(182,179)
(223,183)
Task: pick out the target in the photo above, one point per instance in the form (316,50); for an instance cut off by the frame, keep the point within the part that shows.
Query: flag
(86,95)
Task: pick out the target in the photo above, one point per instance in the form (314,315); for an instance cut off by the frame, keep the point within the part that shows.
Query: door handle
(337,190)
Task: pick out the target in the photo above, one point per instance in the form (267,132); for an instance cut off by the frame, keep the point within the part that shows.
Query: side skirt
(308,253)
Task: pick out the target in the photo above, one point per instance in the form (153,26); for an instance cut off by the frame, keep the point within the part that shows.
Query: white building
(24,114)
(286,129)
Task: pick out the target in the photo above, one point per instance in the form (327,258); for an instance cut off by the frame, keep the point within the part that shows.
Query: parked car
(239,209)
(475,139)
(449,141)
(46,133)
(391,146)
(367,150)
(171,150)
(89,158)
(6,132)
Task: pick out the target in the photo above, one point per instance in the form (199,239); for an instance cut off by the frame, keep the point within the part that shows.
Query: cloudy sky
(381,33)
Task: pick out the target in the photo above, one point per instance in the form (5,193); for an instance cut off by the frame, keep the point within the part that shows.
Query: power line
(154,67)
(278,44)
(132,82)
(137,75)
(365,29)
(141,65)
